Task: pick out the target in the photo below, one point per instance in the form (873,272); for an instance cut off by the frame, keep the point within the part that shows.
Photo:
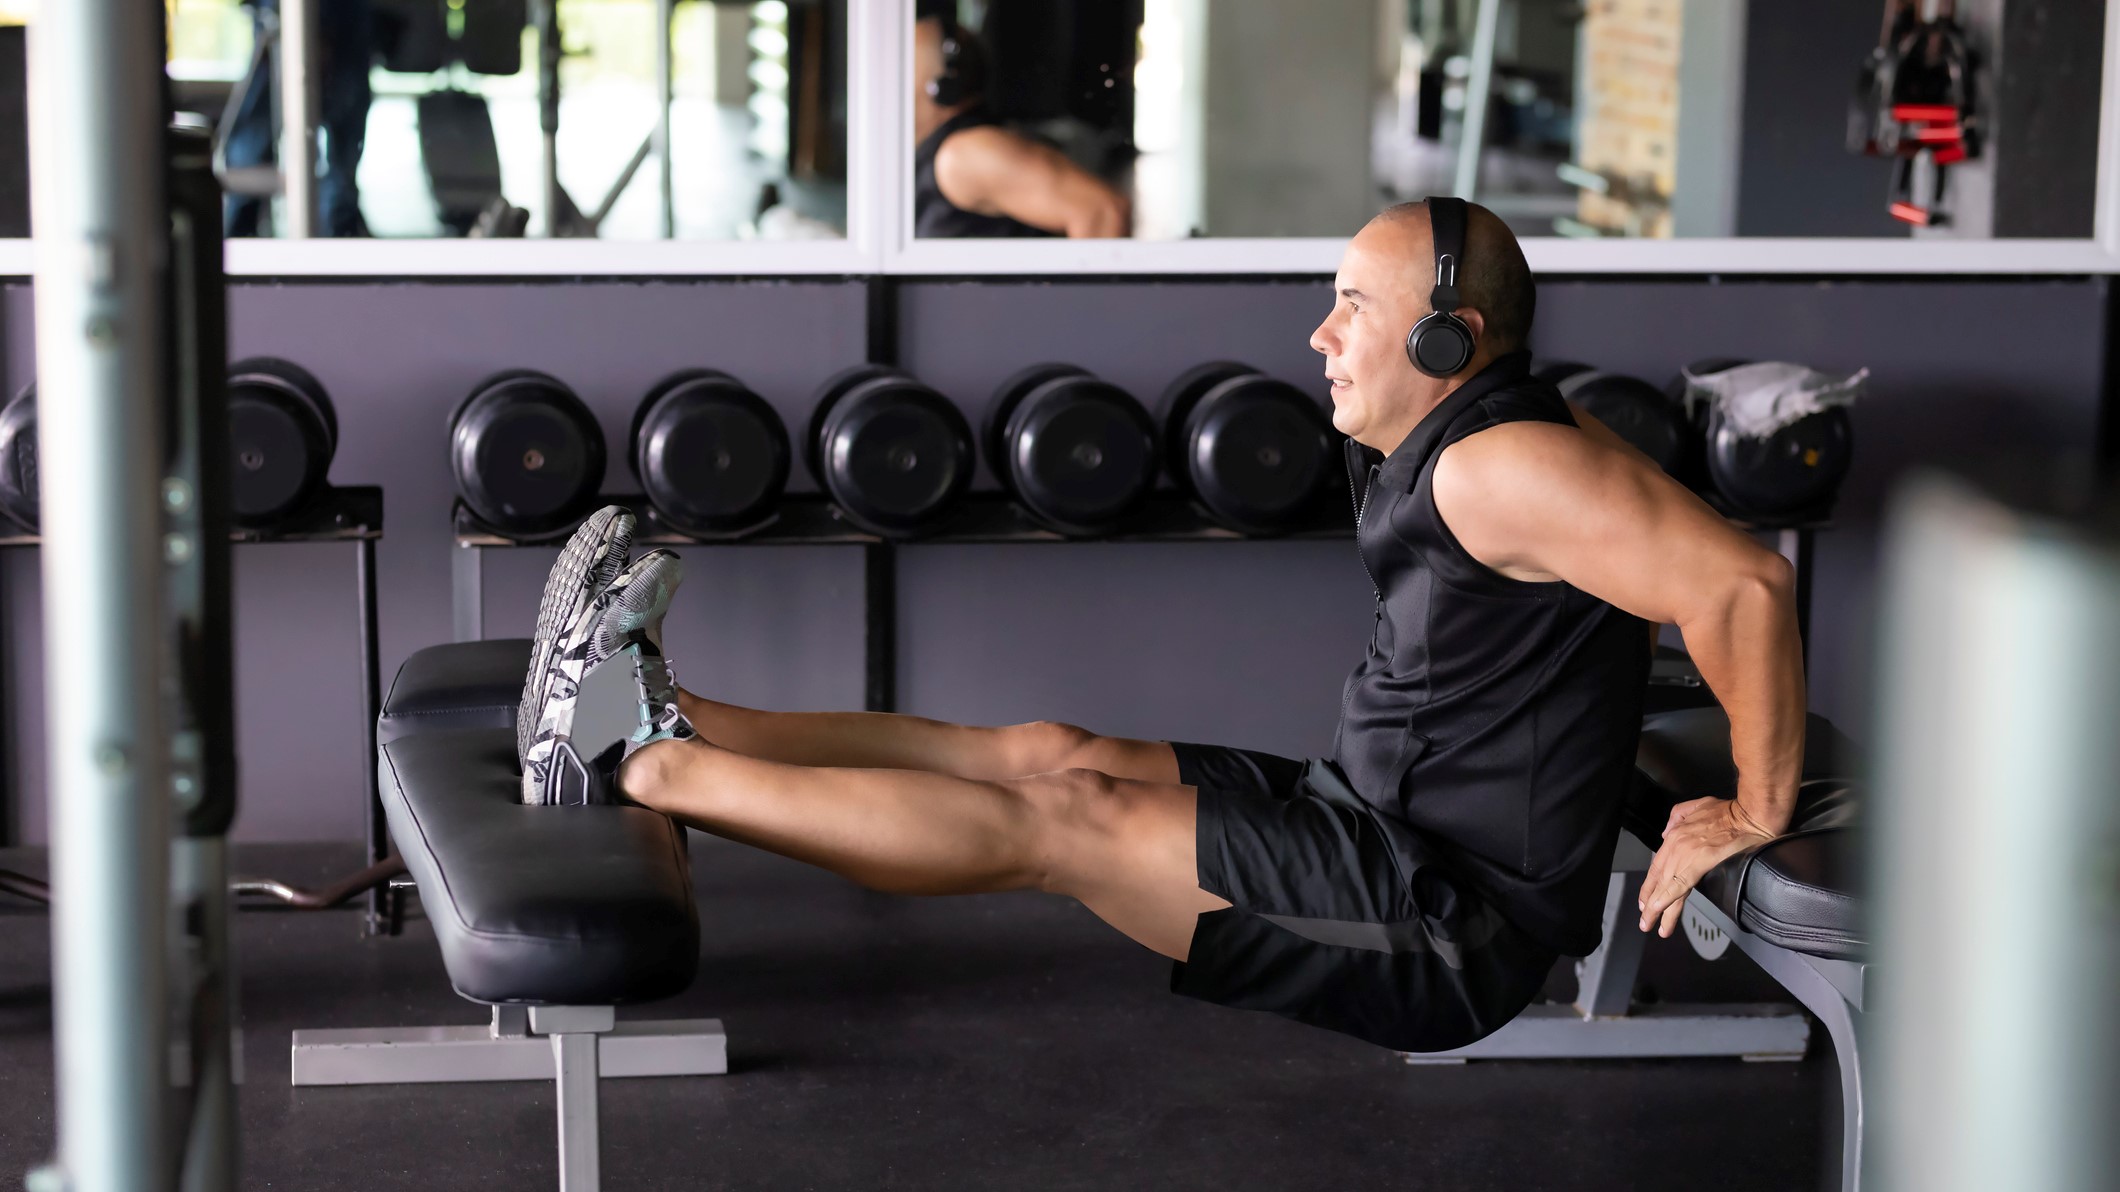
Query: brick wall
(1628,127)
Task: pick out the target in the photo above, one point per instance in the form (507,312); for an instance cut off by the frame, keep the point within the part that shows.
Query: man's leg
(876,740)
(1121,847)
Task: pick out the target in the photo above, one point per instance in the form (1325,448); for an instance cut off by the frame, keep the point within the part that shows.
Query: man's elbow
(1105,215)
(1768,583)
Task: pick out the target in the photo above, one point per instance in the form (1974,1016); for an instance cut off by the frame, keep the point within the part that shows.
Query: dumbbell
(1253,450)
(893,453)
(527,455)
(711,455)
(1630,407)
(282,434)
(18,459)
(1793,473)
(1079,453)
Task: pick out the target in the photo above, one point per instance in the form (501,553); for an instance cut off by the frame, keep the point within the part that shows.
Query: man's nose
(1321,339)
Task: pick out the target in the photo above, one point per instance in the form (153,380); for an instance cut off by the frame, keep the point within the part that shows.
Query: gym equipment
(1079,453)
(460,156)
(1440,344)
(1254,451)
(1792,905)
(1793,474)
(18,459)
(282,435)
(550,919)
(1915,95)
(527,454)
(892,452)
(711,455)
(1631,408)
(414,35)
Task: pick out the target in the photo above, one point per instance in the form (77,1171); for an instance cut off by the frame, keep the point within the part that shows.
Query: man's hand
(1701,834)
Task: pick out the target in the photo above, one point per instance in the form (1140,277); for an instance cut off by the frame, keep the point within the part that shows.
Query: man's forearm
(1750,656)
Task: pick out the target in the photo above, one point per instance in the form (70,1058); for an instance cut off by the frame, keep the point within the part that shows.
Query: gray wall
(1239,642)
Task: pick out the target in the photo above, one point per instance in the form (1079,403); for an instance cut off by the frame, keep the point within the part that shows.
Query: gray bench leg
(573,1030)
(573,1046)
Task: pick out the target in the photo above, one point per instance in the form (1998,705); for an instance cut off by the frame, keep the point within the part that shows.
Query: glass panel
(432,115)
(1629,118)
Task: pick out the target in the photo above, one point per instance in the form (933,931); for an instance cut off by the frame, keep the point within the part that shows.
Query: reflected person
(974,178)
(345,50)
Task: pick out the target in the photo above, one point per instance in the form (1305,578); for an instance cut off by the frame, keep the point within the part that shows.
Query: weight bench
(552,916)
(1790,905)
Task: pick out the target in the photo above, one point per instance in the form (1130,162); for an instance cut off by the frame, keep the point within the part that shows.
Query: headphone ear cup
(1440,345)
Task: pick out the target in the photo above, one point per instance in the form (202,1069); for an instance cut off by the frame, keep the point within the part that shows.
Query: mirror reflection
(1165,119)
(529,117)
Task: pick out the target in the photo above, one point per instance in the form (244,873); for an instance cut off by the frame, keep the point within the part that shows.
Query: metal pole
(665,12)
(1472,132)
(97,194)
(371,706)
(1996,1050)
(879,573)
(548,55)
(298,118)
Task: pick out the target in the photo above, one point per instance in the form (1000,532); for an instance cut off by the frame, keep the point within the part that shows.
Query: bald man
(971,176)
(1413,889)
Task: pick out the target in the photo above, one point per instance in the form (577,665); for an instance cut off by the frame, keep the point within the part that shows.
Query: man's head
(967,66)
(1382,290)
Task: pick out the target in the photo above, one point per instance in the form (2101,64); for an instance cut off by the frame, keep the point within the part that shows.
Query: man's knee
(1046,745)
(1075,816)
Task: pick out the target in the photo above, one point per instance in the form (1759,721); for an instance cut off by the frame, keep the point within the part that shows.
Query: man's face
(1380,292)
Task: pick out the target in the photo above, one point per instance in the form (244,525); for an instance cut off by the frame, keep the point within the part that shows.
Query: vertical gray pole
(665,13)
(97,153)
(298,95)
(1479,90)
(1994,844)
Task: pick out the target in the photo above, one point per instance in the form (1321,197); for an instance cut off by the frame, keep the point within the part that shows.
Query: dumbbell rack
(811,519)
(349,514)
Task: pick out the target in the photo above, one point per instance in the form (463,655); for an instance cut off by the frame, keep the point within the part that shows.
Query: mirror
(431,115)
(1163,119)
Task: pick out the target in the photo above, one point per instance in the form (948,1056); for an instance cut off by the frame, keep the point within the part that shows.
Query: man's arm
(1539,501)
(992,171)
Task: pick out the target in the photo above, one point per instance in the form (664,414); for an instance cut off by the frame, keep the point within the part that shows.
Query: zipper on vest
(1361,511)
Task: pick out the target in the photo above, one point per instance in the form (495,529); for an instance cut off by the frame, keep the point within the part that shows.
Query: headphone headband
(1446,220)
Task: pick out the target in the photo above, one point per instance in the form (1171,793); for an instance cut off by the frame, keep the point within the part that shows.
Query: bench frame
(1603,1022)
(573,1046)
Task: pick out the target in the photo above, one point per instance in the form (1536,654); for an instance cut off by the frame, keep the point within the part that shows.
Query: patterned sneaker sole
(591,559)
(633,602)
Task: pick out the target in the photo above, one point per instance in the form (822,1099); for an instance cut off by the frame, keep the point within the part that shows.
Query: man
(344,43)
(1414,890)
(971,176)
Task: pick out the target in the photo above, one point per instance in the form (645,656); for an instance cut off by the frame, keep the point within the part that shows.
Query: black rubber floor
(1001,1042)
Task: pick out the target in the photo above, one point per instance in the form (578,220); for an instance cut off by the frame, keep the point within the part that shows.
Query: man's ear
(1475,322)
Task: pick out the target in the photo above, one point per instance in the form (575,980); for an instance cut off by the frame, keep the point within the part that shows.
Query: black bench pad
(538,905)
(1801,891)
(460,685)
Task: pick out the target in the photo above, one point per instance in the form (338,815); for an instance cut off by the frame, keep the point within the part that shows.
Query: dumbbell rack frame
(339,514)
(811,519)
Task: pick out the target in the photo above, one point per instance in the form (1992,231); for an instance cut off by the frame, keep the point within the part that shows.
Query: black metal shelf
(805,519)
(339,514)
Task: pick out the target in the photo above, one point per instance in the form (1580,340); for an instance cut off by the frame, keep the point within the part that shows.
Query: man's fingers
(1671,917)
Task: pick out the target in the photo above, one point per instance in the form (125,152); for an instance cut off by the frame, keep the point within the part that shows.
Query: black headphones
(1441,344)
(947,88)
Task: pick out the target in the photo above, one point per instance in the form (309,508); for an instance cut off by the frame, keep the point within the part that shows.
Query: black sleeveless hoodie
(1496,715)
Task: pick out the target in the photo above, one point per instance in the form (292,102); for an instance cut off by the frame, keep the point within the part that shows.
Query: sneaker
(611,691)
(592,557)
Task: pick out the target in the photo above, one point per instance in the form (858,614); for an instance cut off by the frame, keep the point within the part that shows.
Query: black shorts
(1341,916)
